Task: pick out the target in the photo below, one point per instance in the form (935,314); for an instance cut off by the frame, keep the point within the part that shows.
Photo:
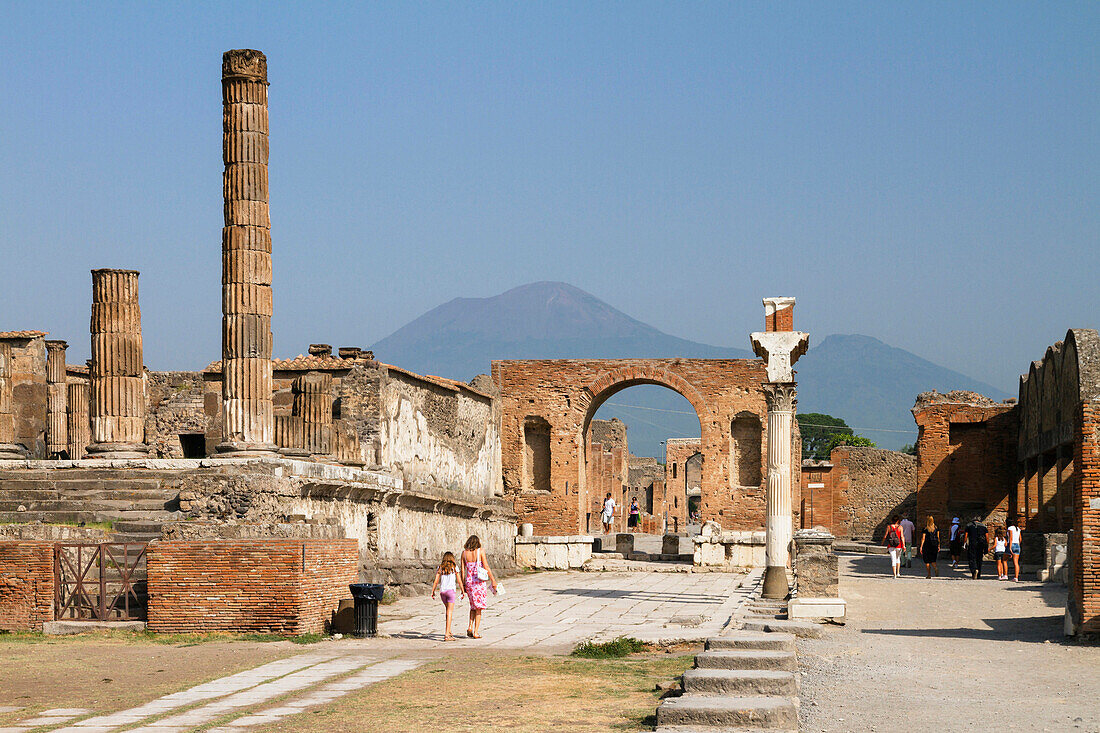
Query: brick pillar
(117,371)
(778,314)
(57,397)
(9,450)
(247,411)
(778,522)
(79,427)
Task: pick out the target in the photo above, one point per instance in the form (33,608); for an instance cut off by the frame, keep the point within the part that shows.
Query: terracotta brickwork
(967,457)
(856,492)
(607,471)
(26,585)
(683,477)
(269,586)
(565,393)
(1085,542)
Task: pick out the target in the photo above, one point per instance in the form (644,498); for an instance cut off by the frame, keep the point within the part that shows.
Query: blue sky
(924,173)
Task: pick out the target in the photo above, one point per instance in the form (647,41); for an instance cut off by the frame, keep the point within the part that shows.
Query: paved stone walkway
(541,613)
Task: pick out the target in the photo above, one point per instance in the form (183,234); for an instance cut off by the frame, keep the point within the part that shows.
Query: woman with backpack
(895,544)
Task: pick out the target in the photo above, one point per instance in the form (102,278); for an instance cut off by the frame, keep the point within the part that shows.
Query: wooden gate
(100,582)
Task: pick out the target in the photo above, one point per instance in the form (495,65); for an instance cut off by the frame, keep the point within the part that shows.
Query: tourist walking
(1000,549)
(930,547)
(895,544)
(475,573)
(907,528)
(955,542)
(635,514)
(1014,537)
(608,514)
(976,540)
(448,582)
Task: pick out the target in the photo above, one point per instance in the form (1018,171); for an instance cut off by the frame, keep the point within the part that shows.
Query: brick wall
(268,586)
(967,457)
(26,585)
(1085,543)
(869,486)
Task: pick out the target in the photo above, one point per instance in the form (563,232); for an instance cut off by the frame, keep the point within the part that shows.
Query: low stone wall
(553,552)
(26,585)
(53,533)
(716,548)
(266,586)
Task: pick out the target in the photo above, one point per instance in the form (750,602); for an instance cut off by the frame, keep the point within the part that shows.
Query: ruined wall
(567,392)
(606,472)
(28,389)
(966,464)
(870,485)
(173,406)
(26,585)
(266,586)
(684,477)
(1083,606)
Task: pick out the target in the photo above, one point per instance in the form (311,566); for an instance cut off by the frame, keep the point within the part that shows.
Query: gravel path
(948,653)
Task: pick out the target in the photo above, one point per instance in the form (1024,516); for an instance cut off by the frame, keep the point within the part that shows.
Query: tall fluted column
(79,427)
(9,450)
(313,402)
(778,523)
(118,384)
(247,411)
(57,397)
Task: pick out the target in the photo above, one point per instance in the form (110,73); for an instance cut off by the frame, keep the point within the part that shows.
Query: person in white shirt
(1014,536)
(907,528)
(608,515)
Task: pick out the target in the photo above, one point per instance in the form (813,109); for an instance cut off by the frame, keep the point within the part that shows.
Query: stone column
(57,397)
(778,523)
(117,370)
(79,427)
(247,411)
(9,450)
(313,403)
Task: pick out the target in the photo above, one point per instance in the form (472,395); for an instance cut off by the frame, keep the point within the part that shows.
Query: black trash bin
(367,596)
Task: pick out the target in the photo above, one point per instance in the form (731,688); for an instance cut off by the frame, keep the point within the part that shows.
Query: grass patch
(624,646)
(389,597)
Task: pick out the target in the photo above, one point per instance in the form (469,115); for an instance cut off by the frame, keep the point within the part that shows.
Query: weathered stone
(57,397)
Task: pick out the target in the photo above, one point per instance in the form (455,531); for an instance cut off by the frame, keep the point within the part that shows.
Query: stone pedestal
(247,410)
(778,523)
(117,371)
(817,577)
(57,398)
(9,450)
(79,425)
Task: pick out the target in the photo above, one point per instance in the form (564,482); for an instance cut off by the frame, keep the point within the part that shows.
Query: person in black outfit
(977,544)
(930,547)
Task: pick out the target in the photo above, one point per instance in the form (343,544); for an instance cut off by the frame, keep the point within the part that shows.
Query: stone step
(801,629)
(132,537)
(740,682)
(752,640)
(768,713)
(138,526)
(73,505)
(747,659)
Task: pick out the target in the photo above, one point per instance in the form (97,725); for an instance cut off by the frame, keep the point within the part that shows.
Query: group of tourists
(973,539)
(607,515)
(469,579)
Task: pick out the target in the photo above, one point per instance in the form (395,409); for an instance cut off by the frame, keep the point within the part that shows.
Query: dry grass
(489,692)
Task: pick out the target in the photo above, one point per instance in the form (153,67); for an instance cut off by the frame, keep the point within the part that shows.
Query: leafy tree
(909,448)
(817,430)
(848,439)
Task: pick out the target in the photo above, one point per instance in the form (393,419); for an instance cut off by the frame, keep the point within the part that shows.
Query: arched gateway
(547,406)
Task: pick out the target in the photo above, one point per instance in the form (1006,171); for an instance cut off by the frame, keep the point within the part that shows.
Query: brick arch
(614,381)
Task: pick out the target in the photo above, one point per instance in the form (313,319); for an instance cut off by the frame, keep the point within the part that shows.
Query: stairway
(745,681)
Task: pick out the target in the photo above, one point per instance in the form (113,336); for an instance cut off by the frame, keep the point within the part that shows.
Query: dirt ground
(947,654)
(520,694)
(108,672)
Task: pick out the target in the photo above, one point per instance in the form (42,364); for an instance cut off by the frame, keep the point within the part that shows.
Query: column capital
(780,350)
(780,397)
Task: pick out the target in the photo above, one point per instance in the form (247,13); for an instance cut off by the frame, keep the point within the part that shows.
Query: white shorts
(605,518)
(895,555)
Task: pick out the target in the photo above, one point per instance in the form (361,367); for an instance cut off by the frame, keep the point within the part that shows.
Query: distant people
(895,544)
(475,573)
(930,547)
(1000,549)
(1014,536)
(448,582)
(907,528)
(955,542)
(976,540)
(635,514)
(608,514)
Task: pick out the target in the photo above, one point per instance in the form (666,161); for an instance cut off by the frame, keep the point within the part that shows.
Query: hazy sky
(921,172)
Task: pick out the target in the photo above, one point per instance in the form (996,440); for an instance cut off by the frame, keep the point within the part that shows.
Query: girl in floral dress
(474,566)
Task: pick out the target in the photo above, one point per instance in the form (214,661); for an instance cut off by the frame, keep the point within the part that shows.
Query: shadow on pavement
(1037,629)
(642,595)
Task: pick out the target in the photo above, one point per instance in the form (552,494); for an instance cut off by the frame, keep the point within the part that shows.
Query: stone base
(553,553)
(12,452)
(288,452)
(729,549)
(230,449)
(62,628)
(775,583)
(117,450)
(804,609)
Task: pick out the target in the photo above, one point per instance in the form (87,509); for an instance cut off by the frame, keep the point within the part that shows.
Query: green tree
(908,448)
(848,439)
(817,430)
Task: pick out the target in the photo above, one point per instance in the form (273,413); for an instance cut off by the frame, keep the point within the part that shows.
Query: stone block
(624,544)
(526,555)
(670,545)
(808,609)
